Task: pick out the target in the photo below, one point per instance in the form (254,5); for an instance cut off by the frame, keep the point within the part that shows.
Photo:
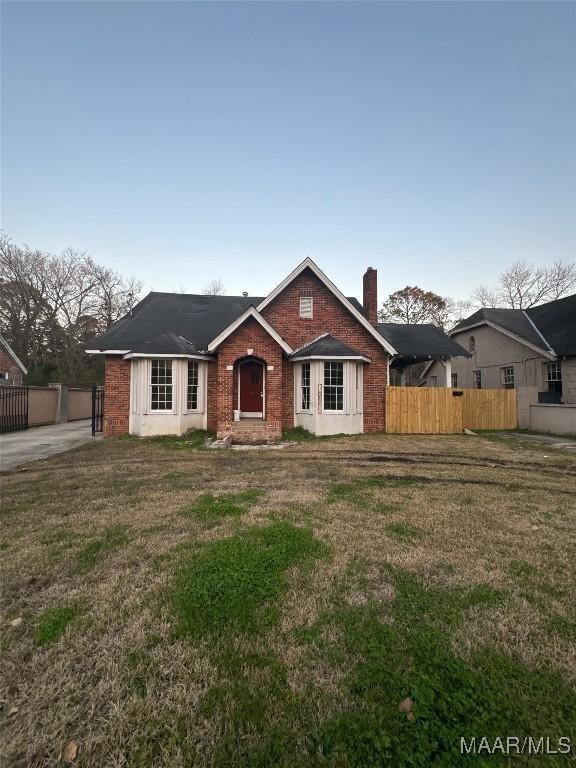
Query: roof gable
(514,323)
(250,312)
(309,264)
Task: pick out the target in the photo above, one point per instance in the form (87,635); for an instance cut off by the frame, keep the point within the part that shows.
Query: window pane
(305,386)
(192,389)
(333,386)
(161,385)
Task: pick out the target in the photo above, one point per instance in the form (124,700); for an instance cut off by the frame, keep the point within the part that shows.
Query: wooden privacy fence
(442,410)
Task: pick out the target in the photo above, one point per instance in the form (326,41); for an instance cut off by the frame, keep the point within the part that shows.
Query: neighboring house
(305,355)
(532,350)
(12,369)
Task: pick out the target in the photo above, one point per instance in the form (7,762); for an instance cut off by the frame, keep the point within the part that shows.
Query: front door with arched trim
(251,381)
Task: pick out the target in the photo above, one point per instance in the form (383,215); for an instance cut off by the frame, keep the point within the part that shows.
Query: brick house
(12,369)
(249,367)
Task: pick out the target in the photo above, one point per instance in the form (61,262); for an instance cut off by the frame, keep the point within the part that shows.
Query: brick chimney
(370,297)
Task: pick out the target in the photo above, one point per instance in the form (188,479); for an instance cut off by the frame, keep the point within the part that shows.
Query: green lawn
(352,602)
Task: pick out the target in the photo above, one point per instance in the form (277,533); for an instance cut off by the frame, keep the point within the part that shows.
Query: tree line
(52,306)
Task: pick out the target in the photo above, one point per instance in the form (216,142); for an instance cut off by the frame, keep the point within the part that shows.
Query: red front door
(252,388)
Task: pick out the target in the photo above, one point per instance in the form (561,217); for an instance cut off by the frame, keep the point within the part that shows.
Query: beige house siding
(496,351)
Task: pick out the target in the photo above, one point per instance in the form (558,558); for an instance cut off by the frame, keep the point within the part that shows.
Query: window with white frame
(3,375)
(433,381)
(477,379)
(554,376)
(471,345)
(192,387)
(508,377)
(161,385)
(306,307)
(454,379)
(305,386)
(333,386)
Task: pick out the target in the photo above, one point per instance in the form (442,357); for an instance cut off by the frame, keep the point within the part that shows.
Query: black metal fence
(13,408)
(97,409)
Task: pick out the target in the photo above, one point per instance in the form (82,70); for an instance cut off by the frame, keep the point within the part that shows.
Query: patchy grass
(273,608)
(210,509)
(113,538)
(234,584)
(54,622)
(403,531)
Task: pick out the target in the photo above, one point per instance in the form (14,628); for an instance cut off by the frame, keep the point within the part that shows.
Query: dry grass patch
(451,568)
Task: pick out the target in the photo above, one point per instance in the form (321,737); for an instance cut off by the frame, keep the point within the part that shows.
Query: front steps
(250,431)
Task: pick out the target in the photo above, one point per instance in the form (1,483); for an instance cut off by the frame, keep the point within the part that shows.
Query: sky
(185,141)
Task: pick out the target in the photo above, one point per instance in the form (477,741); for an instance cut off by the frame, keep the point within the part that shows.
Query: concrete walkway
(40,442)
(567,443)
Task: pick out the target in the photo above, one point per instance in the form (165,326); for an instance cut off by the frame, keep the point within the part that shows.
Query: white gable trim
(308,263)
(544,352)
(333,358)
(527,316)
(250,312)
(13,355)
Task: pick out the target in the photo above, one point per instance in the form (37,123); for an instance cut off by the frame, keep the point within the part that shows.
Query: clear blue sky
(185,141)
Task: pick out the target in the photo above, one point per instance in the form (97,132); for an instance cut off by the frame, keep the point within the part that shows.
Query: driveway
(40,442)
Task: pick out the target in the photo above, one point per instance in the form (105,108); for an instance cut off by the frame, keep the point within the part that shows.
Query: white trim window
(193,387)
(433,381)
(305,389)
(508,377)
(3,376)
(161,386)
(554,376)
(333,390)
(306,307)
(477,379)
(454,380)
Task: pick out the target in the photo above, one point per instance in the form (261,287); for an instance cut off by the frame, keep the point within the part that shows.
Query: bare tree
(214,288)
(50,306)
(524,285)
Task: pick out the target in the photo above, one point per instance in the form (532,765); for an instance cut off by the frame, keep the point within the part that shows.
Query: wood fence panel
(490,409)
(423,410)
(438,410)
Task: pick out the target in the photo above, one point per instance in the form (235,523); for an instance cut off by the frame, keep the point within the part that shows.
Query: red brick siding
(212,396)
(116,396)
(9,366)
(250,335)
(330,316)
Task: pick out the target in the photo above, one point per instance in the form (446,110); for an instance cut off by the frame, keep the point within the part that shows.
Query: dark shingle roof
(513,320)
(556,321)
(166,344)
(326,346)
(420,340)
(194,317)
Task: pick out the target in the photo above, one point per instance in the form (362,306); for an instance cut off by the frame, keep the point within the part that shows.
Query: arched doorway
(251,401)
